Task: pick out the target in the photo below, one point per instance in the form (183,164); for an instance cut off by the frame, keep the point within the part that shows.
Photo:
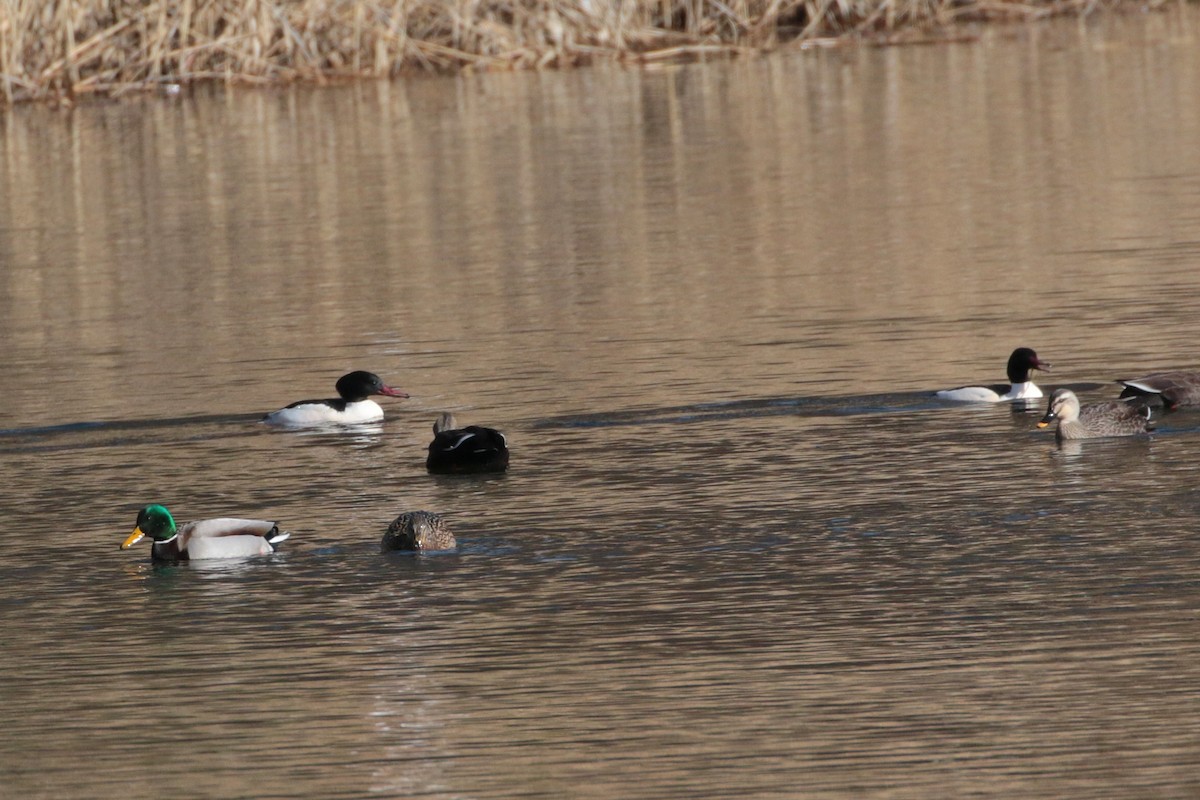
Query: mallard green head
(153,521)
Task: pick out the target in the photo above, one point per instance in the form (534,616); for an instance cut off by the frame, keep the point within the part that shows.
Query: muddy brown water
(741,550)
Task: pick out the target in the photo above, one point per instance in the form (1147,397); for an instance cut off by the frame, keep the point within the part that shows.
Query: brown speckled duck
(1095,420)
(418,530)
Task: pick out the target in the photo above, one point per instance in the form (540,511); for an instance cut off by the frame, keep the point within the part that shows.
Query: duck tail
(1164,399)
(275,536)
(1145,410)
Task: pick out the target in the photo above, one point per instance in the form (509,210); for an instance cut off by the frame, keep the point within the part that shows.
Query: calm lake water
(741,551)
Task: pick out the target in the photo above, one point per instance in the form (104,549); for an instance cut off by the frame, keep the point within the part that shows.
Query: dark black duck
(462,450)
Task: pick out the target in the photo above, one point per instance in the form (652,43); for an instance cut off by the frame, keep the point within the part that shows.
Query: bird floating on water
(469,449)
(1095,420)
(1020,386)
(420,531)
(1171,390)
(203,539)
(352,406)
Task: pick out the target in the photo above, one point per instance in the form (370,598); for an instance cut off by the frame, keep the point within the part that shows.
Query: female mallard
(1171,389)
(352,406)
(418,530)
(206,538)
(1095,420)
(469,449)
(1020,386)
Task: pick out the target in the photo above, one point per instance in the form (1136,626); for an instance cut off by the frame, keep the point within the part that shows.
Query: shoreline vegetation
(64,50)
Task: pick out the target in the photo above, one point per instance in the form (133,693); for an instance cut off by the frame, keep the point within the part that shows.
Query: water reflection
(361,435)
(572,209)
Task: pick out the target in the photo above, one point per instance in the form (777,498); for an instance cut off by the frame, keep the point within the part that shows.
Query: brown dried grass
(62,49)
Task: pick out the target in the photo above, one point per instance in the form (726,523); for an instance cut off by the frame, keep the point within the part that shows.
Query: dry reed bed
(61,49)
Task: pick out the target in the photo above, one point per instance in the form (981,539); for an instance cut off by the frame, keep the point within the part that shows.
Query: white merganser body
(1022,361)
(351,407)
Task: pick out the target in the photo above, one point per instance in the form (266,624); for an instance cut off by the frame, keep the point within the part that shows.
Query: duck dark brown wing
(1176,389)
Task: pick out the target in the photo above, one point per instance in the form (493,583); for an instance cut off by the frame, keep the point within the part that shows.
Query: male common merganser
(350,408)
(418,530)
(206,538)
(1095,420)
(469,449)
(1172,389)
(1020,387)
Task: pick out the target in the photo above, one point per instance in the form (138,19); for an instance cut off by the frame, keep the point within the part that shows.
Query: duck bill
(1046,420)
(1043,366)
(133,539)
(390,392)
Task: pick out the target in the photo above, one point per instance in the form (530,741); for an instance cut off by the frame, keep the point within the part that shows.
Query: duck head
(153,521)
(360,385)
(417,530)
(1064,407)
(1022,361)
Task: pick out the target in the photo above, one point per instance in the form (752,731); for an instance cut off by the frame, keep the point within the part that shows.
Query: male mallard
(418,530)
(469,449)
(1172,389)
(206,538)
(352,405)
(1095,420)
(1020,387)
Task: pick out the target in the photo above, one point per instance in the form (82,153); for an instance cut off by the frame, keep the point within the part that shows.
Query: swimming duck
(350,407)
(1019,387)
(418,530)
(1172,390)
(1095,420)
(206,538)
(469,449)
